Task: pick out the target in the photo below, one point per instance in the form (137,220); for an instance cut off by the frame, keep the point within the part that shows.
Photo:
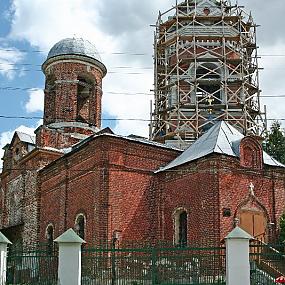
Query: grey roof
(26,138)
(129,138)
(74,46)
(221,138)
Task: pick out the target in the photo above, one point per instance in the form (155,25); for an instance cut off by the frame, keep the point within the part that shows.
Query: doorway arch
(253,218)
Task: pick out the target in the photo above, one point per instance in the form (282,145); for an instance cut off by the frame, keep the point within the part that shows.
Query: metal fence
(37,265)
(267,262)
(149,266)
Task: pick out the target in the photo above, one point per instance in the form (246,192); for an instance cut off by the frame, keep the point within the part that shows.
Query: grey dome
(74,46)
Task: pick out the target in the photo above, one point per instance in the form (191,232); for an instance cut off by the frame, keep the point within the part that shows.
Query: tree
(275,146)
(282,228)
(275,142)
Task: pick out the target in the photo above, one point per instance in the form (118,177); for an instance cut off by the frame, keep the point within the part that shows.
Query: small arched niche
(251,154)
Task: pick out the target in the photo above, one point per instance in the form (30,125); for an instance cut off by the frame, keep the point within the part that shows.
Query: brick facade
(111,181)
(115,183)
(107,180)
(19,215)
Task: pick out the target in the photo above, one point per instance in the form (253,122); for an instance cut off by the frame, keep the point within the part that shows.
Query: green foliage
(282,228)
(275,142)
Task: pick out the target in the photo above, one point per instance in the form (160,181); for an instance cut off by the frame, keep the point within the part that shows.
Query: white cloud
(272,81)
(81,18)
(10,56)
(129,106)
(36,101)
(116,26)
(43,23)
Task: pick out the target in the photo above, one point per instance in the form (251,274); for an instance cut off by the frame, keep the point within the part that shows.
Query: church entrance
(254,222)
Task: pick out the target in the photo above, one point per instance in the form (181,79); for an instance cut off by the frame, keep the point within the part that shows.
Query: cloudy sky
(122,34)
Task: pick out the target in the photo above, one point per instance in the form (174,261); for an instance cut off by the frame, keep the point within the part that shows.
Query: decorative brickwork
(251,154)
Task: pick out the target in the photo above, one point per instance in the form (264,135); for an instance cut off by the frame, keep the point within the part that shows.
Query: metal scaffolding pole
(205,70)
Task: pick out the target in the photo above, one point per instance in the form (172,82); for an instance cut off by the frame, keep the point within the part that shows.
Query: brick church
(74,174)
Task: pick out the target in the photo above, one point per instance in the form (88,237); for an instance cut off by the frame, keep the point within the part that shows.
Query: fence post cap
(69,236)
(3,239)
(238,233)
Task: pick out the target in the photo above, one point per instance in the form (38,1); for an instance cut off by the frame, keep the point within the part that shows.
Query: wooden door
(254,222)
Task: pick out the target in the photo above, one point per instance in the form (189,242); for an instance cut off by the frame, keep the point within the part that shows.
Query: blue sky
(13,102)
(29,26)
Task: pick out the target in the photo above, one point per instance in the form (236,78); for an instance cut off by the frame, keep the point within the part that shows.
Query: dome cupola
(75,48)
(73,93)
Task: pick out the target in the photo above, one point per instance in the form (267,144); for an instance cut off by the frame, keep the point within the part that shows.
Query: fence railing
(267,262)
(71,263)
(147,266)
(37,265)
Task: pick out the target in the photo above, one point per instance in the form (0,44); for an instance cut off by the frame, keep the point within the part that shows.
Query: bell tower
(205,70)
(73,93)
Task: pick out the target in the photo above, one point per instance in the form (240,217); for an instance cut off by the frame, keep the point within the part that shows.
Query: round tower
(73,93)
(206,70)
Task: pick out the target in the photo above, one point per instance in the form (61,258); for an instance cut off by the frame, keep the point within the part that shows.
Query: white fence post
(3,258)
(237,257)
(69,264)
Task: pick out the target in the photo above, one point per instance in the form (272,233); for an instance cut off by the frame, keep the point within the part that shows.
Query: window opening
(182,229)
(84,90)
(80,226)
(209,84)
(49,235)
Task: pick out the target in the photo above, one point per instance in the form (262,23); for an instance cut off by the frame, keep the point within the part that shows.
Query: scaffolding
(205,70)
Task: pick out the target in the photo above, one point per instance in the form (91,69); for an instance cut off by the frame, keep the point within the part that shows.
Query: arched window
(50,237)
(181,221)
(84,89)
(80,225)
(209,87)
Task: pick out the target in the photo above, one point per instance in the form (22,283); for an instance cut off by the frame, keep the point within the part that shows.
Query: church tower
(206,70)
(73,91)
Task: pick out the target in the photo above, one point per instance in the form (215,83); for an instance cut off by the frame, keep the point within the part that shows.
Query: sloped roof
(26,138)
(221,138)
(129,138)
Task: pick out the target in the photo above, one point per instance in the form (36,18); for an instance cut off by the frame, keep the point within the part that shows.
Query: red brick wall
(111,181)
(62,103)
(108,180)
(207,187)
(65,94)
(234,181)
(193,187)
(21,180)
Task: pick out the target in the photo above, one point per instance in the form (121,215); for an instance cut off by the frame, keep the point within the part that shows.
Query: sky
(122,32)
